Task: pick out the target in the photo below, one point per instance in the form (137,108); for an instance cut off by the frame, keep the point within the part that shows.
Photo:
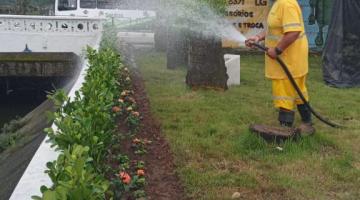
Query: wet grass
(216,155)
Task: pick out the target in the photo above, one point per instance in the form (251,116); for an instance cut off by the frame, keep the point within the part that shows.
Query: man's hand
(251,40)
(272,53)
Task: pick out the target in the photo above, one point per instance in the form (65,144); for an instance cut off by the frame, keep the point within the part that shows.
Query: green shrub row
(85,131)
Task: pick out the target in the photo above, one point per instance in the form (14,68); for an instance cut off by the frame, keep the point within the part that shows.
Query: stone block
(232,63)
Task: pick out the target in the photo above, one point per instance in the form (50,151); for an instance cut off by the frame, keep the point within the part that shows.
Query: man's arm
(255,39)
(284,43)
(288,39)
(261,36)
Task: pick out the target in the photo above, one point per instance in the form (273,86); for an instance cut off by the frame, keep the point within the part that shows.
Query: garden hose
(296,87)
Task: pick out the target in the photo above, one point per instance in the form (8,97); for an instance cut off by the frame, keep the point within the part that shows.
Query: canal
(21,95)
(17,105)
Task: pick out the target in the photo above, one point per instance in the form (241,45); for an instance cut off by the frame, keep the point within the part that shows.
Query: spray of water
(229,32)
(194,16)
(198,16)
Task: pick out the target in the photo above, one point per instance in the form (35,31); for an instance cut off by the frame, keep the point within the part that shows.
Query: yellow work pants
(284,94)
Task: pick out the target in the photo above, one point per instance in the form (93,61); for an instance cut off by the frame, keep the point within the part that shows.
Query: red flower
(140,172)
(116,109)
(136,114)
(136,141)
(125,177)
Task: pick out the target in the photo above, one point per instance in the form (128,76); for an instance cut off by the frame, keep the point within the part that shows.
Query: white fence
(48,33)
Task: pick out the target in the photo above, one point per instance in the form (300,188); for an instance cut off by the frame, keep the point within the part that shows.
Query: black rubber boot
(305,113)
(306,127)
(286,117)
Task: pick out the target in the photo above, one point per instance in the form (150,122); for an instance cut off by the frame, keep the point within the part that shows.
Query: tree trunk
(206,63)
(177,49)
(160,36)
(23,7)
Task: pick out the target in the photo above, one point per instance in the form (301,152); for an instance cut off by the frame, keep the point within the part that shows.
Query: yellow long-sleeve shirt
(286,16)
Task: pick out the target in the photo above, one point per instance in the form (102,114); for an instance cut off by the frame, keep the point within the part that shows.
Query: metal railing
(49,24)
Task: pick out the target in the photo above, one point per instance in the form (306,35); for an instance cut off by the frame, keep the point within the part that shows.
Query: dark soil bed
(162,182)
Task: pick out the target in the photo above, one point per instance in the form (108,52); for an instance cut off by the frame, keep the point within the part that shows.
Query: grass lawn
(217,156)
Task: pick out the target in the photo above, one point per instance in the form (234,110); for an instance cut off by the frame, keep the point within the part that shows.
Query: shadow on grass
(333,160)
(251,146)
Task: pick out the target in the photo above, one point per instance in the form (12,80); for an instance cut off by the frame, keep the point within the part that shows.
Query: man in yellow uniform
(285,37)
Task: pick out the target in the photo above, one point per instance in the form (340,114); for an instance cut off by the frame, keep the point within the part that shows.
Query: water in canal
(13,106)
(21,97)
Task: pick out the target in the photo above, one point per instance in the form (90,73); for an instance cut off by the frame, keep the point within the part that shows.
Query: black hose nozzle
(259,46)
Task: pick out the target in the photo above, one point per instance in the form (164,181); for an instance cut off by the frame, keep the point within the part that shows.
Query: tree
(201,23)
(28,7)
(161,34)
(22,7)
(176,48)
(206,63)
(170,38)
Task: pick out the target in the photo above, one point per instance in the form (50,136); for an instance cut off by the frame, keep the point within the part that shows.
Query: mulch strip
(162,182)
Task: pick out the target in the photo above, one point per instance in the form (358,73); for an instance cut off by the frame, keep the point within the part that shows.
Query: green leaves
(87,119)
(108,37)
(58,97)
(74,177)
(85,127)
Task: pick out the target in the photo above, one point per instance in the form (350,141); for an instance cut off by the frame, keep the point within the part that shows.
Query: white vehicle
(76,22)
(126,20)
(98,8)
